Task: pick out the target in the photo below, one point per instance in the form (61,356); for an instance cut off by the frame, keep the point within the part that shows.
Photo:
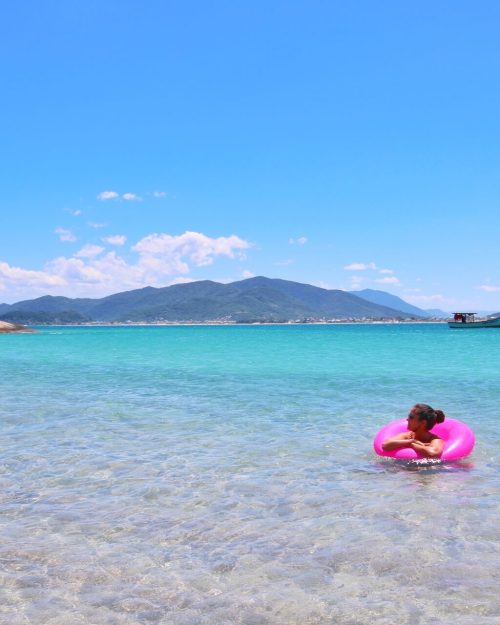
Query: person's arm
(431,450)
(398,442)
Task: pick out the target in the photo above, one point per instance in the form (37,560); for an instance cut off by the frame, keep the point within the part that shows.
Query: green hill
(257,299)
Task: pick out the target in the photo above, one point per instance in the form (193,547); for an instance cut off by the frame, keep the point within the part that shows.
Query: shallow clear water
(225,475)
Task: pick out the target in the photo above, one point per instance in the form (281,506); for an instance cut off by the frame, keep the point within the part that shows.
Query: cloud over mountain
(161,258)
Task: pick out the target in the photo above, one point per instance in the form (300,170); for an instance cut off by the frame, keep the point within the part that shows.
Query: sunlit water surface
(225,475)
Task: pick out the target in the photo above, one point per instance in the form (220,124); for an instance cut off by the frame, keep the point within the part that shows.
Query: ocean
(223,475)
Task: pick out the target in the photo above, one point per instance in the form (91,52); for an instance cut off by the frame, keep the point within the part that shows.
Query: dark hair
(424,412)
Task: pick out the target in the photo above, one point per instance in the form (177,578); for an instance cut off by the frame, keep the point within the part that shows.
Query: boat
(466,320)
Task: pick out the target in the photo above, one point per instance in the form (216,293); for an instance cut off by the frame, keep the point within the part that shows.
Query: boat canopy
(464,317)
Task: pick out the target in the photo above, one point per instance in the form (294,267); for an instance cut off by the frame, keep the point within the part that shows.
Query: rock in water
(7,327)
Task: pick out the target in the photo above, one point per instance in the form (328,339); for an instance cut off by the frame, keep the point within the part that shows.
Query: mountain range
(393,301)
(256,299)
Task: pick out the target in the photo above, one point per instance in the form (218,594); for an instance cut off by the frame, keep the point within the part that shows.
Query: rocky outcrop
(7,328)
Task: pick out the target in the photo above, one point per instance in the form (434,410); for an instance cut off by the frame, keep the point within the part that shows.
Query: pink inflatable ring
(458,440)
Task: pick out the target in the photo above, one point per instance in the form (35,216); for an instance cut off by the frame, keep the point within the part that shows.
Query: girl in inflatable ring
(421,419)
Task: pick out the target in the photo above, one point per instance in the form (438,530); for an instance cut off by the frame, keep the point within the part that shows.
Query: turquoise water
(225,475)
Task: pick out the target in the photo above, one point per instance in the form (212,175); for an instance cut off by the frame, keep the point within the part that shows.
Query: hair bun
(439,416)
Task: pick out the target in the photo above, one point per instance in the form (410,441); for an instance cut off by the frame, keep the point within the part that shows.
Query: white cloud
(113,195)
(115,239)
(170,254)
(161,259)
(284,263)
(489,288)
(298,241)
(74,271)
(360,266)
(65,235)
(159,194)
(11,275)
(97,276)
(107,195)
(388,280)
(386,271)
(89,251)
(247,274)
(95,225)
(357,282)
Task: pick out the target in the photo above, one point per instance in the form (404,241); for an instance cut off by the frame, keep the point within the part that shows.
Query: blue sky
(347,145)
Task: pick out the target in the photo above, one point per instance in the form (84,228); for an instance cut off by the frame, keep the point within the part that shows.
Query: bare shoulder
(436,443)
(434,437)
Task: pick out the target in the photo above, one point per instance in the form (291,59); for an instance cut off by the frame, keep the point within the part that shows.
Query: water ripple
(225,475)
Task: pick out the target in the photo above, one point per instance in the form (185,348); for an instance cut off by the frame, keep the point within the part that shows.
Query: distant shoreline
(124,324)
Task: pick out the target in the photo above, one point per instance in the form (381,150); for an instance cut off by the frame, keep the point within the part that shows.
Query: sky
(345,145)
